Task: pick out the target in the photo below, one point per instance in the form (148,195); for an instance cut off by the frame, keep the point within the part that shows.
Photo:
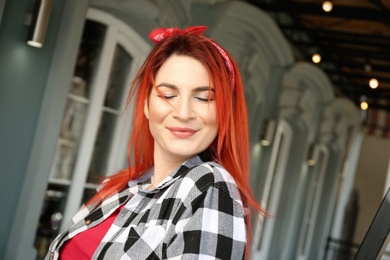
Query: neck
(163,166)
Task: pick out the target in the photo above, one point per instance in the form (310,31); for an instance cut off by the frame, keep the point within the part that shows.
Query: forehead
(182,70)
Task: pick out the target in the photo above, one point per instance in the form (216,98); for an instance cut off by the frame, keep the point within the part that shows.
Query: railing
(337,249)
(340,250)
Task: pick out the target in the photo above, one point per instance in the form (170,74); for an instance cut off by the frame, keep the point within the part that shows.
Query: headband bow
(159,34)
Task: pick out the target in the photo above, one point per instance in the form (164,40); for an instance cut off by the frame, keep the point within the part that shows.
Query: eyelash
(165,97)
(198,98)
(204,99)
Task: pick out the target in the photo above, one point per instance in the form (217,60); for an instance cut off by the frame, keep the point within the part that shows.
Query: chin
(185,154)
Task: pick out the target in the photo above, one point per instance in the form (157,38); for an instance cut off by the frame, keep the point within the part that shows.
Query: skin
(181,114)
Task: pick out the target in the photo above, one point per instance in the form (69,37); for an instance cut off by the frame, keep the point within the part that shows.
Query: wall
(23,75)
(370,181)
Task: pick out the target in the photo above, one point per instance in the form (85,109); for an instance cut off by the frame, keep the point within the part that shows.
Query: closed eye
(167,97)
(204,99)
(204,94)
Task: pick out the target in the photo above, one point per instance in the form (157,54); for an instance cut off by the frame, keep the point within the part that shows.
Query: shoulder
(208,177)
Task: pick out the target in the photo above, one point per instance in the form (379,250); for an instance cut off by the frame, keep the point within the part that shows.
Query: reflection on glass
(118,78)
(88,193)
(88,55)
(72,124)
(73,121)
(113,100)
(78,86)
(63,161)
(50,218)
(70,135)
(102,147)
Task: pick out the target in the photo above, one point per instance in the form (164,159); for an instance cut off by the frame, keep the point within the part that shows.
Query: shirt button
(87,222)
(51,255)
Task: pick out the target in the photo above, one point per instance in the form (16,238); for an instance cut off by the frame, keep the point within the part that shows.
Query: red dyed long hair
(230,149)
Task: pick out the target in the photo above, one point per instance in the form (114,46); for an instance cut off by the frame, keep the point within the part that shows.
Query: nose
(184,110)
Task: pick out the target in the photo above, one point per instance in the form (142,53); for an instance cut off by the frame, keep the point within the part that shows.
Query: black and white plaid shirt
(195,213)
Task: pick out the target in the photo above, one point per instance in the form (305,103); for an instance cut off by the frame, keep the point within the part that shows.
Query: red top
(78,248)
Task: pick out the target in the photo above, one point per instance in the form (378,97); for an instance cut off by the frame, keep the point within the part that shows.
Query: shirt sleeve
(212,226)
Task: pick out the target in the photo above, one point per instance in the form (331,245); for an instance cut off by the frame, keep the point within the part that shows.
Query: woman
(186,195)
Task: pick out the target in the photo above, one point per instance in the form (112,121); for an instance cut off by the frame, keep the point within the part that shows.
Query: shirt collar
(145,180)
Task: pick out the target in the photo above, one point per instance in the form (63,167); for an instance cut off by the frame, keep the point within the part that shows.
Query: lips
(182,132)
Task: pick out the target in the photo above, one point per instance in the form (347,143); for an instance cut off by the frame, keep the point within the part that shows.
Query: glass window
(73,121)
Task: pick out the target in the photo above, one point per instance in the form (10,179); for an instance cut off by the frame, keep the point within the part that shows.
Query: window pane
(88,55)
(50,218)
(118,78)
(117,84)
(70,134)
(63,161)
(101,151)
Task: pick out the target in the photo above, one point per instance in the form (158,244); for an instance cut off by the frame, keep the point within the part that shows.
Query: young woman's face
(187,125)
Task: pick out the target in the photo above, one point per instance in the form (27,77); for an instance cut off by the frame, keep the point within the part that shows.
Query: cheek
(212,116)
(158,111)
(154,116)
(214,122)
(210,119)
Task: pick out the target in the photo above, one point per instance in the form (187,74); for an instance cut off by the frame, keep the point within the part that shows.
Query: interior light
(316,58)
(39,24)
(364,105)
(373,83)
(35,44)
(327,6)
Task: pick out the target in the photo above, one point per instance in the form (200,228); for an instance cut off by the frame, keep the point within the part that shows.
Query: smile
(182,132)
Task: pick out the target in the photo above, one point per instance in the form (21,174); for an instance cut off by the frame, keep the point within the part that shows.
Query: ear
(146,109)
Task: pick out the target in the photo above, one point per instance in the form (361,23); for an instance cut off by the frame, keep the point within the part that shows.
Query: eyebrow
(174,87)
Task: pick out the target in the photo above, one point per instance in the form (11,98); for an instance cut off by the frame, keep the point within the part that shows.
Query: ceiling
(353,40)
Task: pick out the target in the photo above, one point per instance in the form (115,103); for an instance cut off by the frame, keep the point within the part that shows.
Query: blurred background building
(319,132)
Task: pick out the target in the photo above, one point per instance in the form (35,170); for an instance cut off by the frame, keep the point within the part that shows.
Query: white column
(349,170)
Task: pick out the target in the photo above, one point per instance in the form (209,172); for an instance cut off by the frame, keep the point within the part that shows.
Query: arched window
(94,133)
